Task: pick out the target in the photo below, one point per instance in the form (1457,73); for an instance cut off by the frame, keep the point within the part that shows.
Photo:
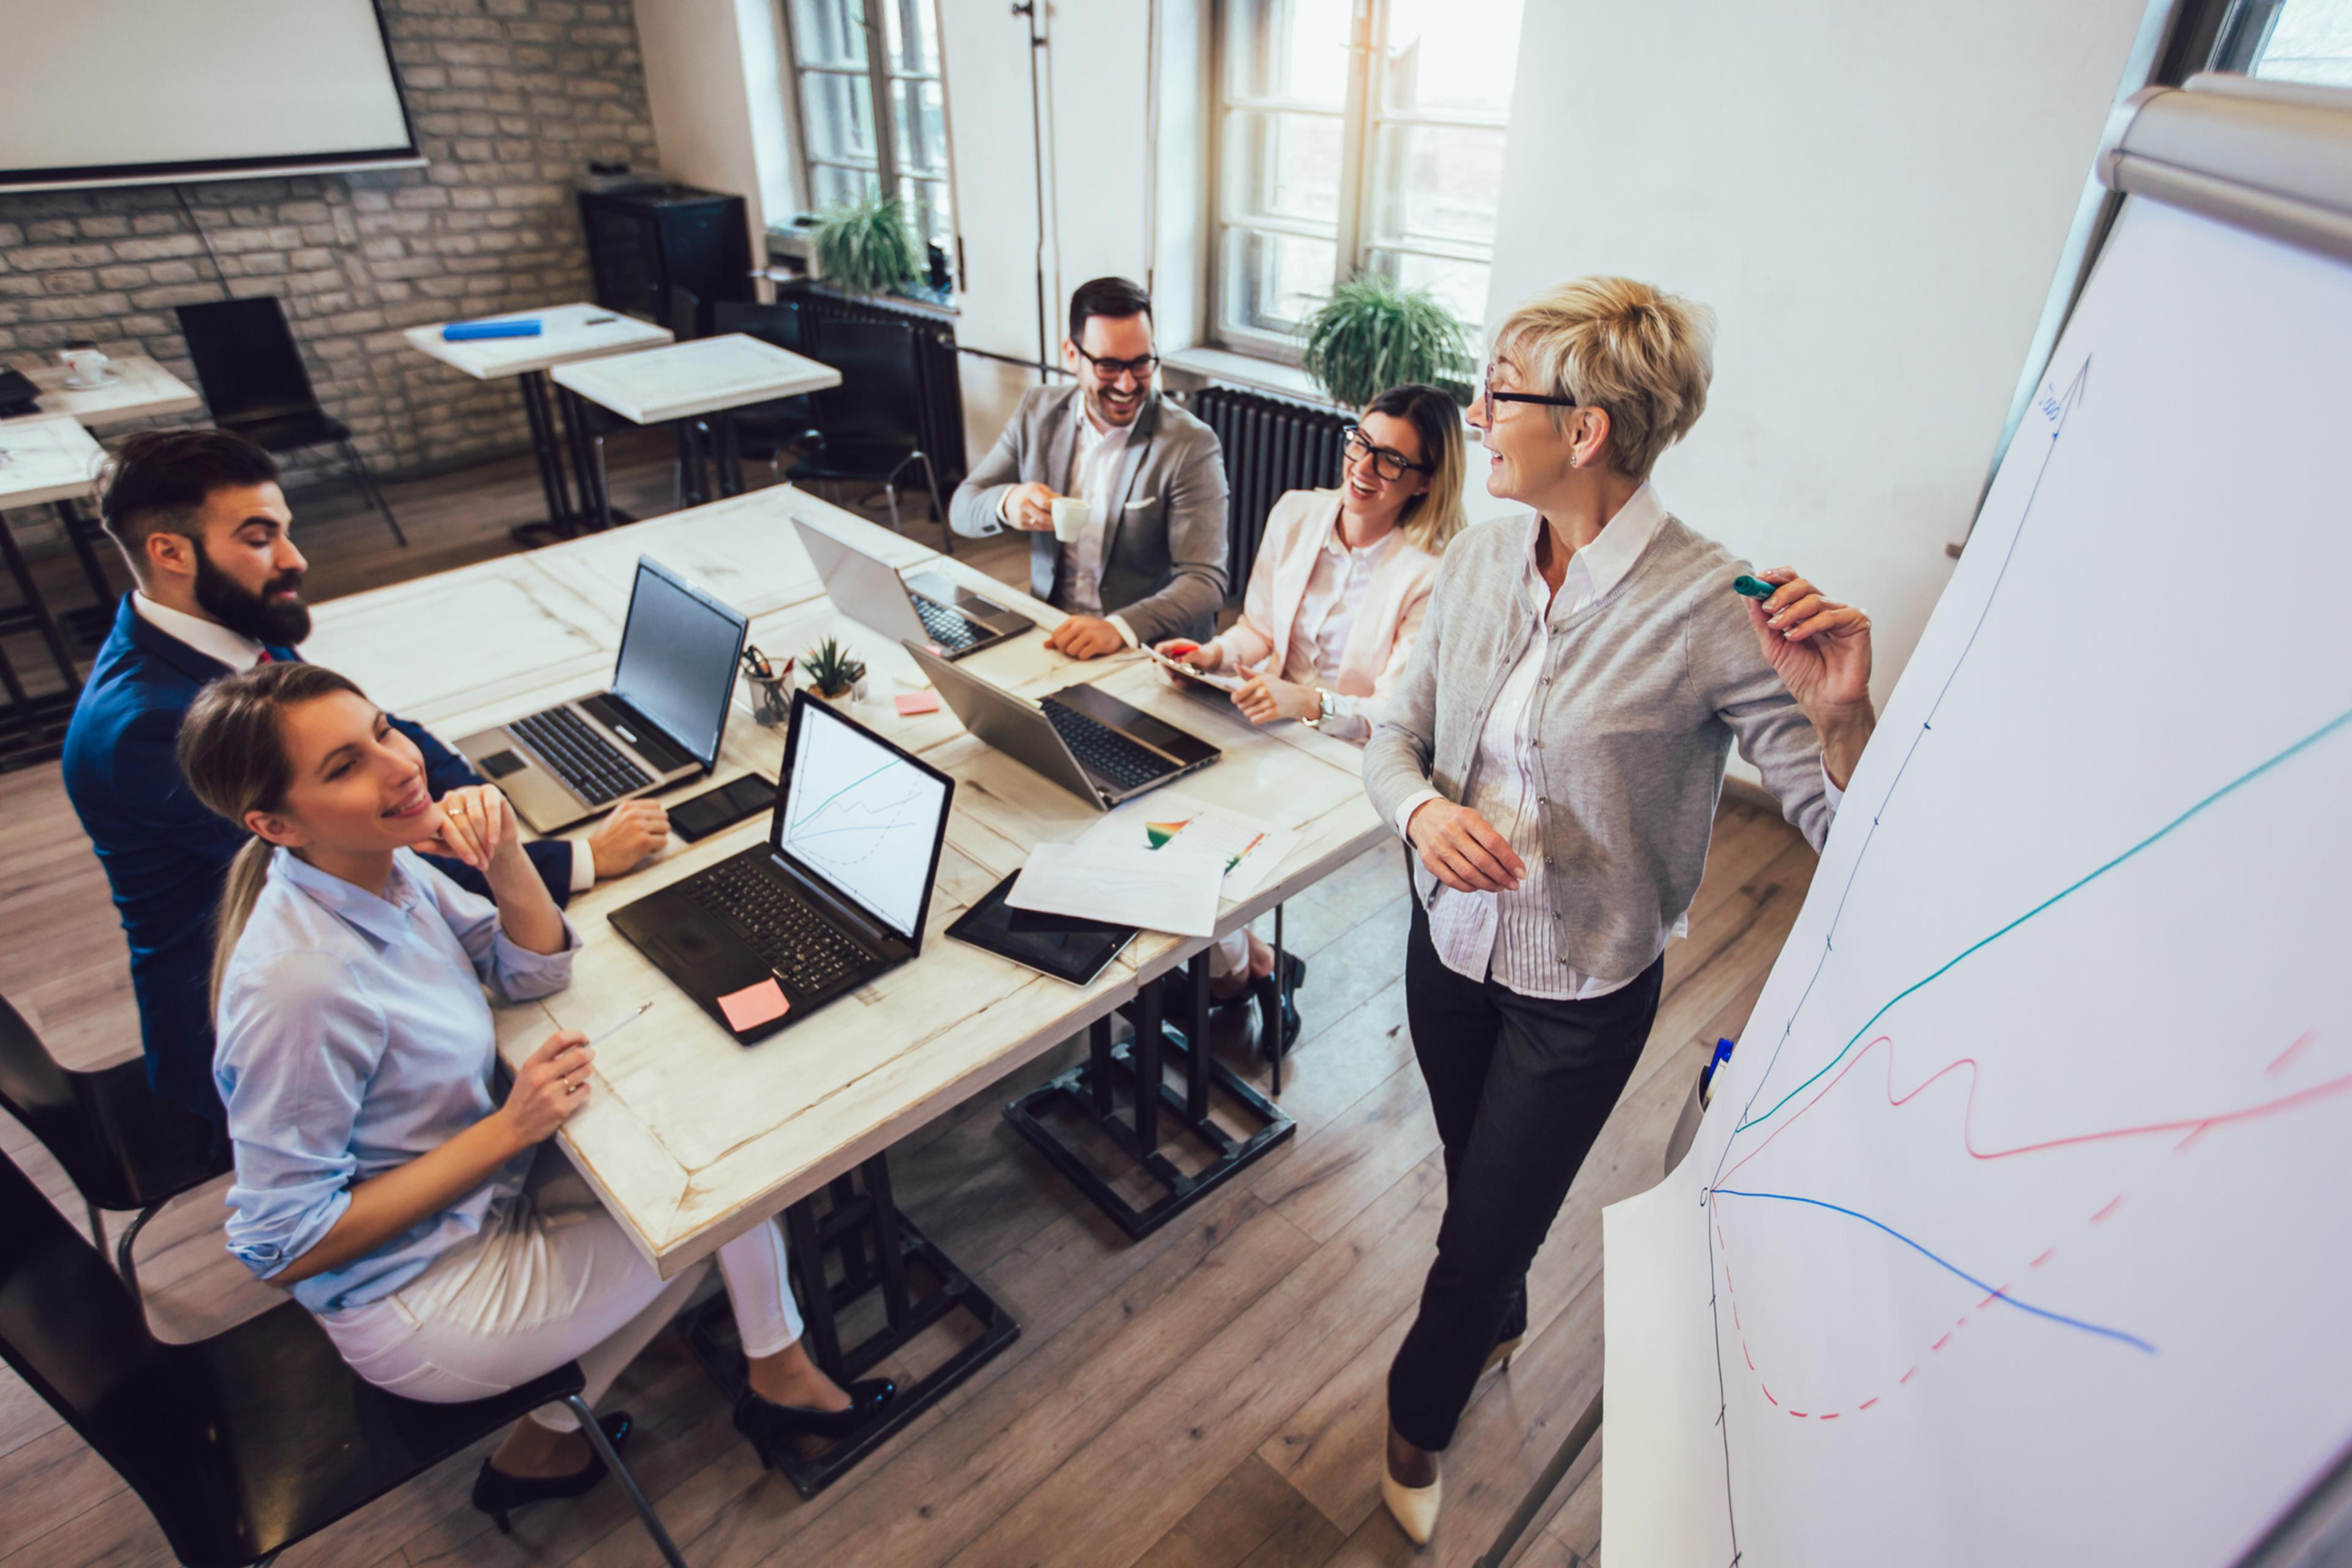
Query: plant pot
(848,695)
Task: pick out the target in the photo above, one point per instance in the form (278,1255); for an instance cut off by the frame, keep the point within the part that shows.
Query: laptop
(929,609)
(661,721)
(837,894)
(1098,748)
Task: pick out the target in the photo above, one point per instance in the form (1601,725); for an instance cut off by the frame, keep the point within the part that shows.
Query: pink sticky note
(753,1006)
(913,702)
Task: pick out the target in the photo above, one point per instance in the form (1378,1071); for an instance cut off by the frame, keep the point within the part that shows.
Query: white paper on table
(1174,892)
(1249,846)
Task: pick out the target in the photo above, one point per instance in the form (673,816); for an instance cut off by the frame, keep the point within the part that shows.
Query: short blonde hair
(1641,356)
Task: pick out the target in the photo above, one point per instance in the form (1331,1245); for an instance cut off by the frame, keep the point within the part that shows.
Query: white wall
(1873,197)
(712,81)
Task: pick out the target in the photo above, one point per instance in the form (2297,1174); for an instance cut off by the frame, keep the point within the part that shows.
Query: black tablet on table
(1059,945)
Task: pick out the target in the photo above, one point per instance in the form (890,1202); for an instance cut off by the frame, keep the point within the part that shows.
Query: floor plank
(1213,1395)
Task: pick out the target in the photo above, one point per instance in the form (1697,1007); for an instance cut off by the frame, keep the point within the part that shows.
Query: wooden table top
(137,388)
(704,376)
(567,332)
(690,1138)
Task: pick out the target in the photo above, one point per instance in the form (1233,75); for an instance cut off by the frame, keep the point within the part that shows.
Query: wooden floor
(1207,1398)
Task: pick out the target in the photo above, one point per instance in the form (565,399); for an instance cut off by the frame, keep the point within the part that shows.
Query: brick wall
(512,99)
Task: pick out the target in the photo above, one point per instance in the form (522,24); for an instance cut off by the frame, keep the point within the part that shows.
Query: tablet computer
(1059,945)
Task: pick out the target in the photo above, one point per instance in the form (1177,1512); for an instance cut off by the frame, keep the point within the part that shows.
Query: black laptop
(836,896)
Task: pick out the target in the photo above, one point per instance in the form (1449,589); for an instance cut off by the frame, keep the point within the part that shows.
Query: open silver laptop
(1100,749)
(927,608)
(662,720)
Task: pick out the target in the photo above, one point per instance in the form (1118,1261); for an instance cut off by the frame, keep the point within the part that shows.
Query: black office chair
(243,1444)
(121,1144)
(686,318)
(255,385)
(783,425)
(868,434)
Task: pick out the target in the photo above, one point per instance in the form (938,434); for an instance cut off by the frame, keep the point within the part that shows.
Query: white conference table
(691,1139)
(568,333)
(45,460)
(136,388)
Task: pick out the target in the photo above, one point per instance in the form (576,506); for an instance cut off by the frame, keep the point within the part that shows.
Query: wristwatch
(1327,706)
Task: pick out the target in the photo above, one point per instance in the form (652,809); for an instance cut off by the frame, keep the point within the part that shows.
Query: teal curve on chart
(1992,1292)
(2248,776)
(845,789)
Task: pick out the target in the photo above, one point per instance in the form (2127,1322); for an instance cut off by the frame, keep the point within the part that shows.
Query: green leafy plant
(867,246)
(831,669)
(1373,335)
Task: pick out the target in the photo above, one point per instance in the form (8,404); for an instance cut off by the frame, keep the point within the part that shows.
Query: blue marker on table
(469,331)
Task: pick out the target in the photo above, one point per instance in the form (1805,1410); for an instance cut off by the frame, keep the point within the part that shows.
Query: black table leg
(561,521)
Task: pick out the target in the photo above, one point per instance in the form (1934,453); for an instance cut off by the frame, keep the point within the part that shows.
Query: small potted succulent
(833,673)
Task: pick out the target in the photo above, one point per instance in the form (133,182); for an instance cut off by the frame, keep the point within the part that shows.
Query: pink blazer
(1386,623)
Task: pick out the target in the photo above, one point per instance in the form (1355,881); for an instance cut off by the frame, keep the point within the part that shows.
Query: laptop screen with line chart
(861,816)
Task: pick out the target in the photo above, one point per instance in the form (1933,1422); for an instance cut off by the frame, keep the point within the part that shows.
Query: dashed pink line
(1797,1414)
(1828,1416)
(1940,1344)
(1768,1394)
(2292,1051)
(2113,1204)
(1866,1404)
(1908,1375)
(2046,1256)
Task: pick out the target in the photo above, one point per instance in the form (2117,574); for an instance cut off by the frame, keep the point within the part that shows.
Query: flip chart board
(2014,1232)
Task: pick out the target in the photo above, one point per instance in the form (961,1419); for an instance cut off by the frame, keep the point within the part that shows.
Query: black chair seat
(286,432)
(122,1146)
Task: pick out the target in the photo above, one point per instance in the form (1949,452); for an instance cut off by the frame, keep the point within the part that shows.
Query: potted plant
(1373,333)
(867,247)
(832,673)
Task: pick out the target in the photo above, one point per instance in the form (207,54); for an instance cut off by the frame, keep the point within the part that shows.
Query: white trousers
(1229,954)
(551,1280)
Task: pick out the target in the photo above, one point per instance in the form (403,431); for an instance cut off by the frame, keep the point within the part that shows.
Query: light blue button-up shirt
(353,1036)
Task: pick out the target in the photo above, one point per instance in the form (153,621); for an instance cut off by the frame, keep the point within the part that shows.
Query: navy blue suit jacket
(167,857)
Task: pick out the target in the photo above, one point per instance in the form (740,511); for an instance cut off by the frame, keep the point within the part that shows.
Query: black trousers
(1520,1088)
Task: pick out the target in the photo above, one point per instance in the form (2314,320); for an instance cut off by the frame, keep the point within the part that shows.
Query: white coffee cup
(1069,519)
(84,367)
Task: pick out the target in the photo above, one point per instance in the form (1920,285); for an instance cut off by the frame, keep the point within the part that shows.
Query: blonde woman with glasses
(1334,604)
(1553,753)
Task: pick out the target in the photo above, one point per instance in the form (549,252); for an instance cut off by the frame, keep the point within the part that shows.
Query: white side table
(47,458)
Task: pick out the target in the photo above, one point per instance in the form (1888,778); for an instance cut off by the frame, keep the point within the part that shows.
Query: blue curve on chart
(2085,881)
(844,790)
(1997,1292)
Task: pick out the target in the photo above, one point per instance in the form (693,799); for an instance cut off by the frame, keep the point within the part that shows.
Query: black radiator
(1271,446)
(939,422)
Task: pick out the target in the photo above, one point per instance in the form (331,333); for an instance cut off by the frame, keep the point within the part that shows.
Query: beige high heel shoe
(1500,1358)
(1413,1508)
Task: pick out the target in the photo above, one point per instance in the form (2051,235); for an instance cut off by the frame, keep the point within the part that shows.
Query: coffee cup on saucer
(1070,514)
(85,364)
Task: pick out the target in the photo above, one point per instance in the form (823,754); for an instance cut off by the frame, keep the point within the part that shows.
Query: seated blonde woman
(377,1175)
(1342,579)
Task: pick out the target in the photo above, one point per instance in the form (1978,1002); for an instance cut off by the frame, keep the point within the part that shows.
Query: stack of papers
(1174,892)
(1249,846)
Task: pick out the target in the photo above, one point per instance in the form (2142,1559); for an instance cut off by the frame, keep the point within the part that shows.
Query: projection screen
(110,92)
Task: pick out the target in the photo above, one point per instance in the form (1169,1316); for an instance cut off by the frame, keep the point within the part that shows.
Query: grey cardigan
(1164,567)
(1644,693)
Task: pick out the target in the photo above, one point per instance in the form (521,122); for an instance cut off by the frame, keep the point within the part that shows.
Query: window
(2289,40)
(846,153)
(1348,142)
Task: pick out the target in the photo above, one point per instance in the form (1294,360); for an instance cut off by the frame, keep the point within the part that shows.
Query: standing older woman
(1553,754)
(1335,604)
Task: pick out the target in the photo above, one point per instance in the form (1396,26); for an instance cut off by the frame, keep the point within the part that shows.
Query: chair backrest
(784,325)
(684,314)
(48,1098)
(246,358)
(69,1328)
(879,399)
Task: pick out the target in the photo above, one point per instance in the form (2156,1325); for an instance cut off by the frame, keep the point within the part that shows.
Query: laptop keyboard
(1126,763)
(571,749)
(951,631)
(783,931)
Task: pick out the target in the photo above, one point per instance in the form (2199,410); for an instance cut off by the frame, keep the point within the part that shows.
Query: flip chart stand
(1091,1091)
(859,1245)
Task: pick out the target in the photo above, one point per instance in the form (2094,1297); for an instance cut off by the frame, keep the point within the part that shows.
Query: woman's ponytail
(247,873)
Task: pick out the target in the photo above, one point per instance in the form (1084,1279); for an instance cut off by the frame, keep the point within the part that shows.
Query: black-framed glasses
(1490,397)
(1112,369)
(1387,461)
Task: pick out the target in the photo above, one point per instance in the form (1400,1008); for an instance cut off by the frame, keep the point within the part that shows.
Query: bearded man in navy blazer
(206,529)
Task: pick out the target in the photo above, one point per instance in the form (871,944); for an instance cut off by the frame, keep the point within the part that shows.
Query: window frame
(880,71)
(1363,116)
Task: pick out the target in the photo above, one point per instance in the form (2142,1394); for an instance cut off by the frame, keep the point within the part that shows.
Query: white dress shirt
(1094,474)
(1509,935)
(1336,590)
(237,651)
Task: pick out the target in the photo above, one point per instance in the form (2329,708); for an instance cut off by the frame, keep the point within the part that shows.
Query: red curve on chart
(2194,1126)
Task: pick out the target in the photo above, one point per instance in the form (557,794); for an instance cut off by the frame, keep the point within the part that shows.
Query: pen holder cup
(771,699)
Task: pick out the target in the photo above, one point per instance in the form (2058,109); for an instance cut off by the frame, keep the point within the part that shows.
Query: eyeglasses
(1488,397)
(1112,369)
(1387,461)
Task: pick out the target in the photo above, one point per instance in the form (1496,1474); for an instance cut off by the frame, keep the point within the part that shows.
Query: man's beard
(283,622)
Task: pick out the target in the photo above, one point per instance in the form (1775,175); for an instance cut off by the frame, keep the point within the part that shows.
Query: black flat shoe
(1176,989)
(1272,1004)
(499,1494)
(769,1427)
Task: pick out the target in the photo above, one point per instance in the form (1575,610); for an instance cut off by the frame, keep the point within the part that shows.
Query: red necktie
(267,657)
